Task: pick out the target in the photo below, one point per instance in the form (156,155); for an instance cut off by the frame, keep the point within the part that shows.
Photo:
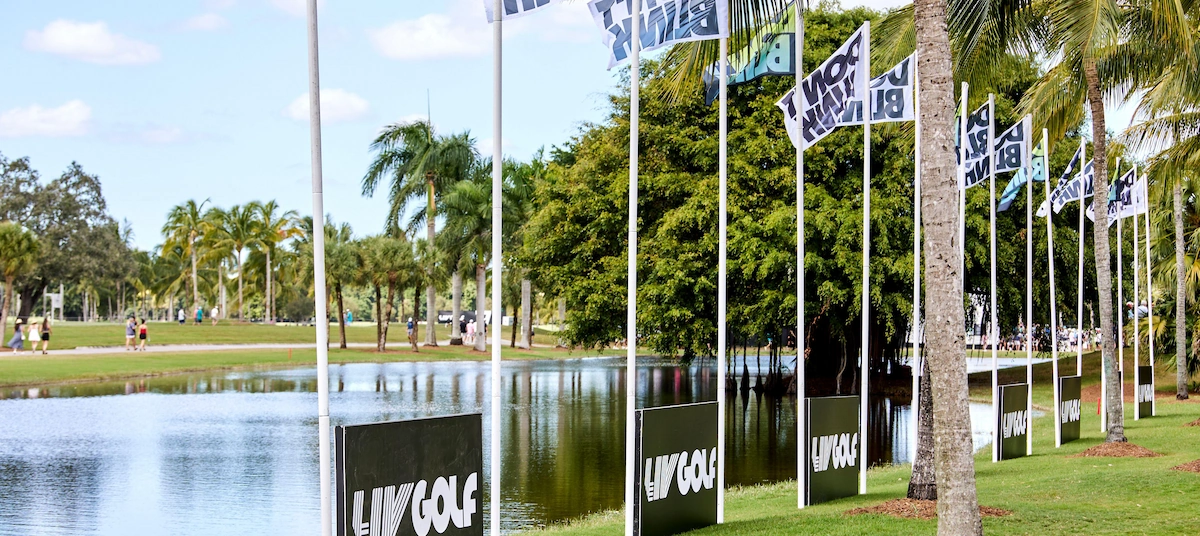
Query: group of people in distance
(135,328)
(36,332)
(214,315)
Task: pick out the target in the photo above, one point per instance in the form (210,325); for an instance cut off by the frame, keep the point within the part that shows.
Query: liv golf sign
(1068,407)
(1013,421)
(832,445)
(676,447)
(418,477)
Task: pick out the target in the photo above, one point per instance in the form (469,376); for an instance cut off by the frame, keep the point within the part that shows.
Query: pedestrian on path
(17,342)
(412,334)
(182,316)
(35,336)
(142,335)
(130,333)
(215,314)
(46,335)
(199,315)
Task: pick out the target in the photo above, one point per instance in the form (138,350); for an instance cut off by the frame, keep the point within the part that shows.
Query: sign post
(1145,391)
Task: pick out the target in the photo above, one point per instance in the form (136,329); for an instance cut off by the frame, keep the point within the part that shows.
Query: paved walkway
(176,348)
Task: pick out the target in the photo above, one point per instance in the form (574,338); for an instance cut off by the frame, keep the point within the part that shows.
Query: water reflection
(182,451)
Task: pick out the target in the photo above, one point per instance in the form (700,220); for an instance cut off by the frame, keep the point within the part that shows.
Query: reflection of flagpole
(635,45)
(318,201)
(497,260)
(1137,358)
(916,315)
(1145,192)
(1029,282)
(866,264)
(801,372)
(722,292)
(994,331)
(1053,296)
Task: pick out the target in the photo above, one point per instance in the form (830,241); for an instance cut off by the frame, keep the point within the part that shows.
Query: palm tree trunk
(526,314)
(386,318)
(430,289)
(195,279)
(512,339)
(456,287)
(270,297)
(1181,371)
(221,283)
(958,507)
(8,297)
(923,484)
(337,292)
(1108,348)
(480,295)
(562,320)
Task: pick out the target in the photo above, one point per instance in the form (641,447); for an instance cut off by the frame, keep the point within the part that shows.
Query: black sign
(676,447)
(417,477)
(1070,397)
(832,447)
(1145,392)
(1012,421)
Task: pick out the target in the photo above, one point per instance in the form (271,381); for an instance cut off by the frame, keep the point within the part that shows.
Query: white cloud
(433,36)
(207,22)
(163,135)
(91,42)
(70,119)
(337,105)
(295,8)
(219,4)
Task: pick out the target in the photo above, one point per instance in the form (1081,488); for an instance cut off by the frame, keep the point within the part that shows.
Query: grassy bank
(24,370)
(1048,493)
(68,335)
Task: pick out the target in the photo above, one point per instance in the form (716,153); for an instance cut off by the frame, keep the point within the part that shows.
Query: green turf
(68,335)
(24,369)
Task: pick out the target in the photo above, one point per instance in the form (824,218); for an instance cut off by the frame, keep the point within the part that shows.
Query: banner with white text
(662,23)
(676,450)
(826,94)
(515,8)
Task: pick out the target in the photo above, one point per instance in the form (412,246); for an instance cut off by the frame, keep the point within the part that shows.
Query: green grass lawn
(23,370)
(1048,493)
(78,334)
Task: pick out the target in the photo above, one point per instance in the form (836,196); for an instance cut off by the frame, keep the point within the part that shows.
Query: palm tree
(185,226)
(518,202)
(387,262)
(343,263)
(274,228)
(418,163)
(239,229)
(19,250)
(468,207)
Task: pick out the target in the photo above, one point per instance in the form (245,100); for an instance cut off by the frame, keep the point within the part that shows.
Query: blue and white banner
(1012,147)
(1014,186)
(826,94)
(977,163)
(891,97)
(662,23)
(1067,190)
(515,8)
(1124,198)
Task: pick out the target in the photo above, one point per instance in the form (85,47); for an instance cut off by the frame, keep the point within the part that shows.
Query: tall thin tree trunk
(431,288)
(958,507)
(456,288)
(270,297)
(224,298)
(387,314)
(1181,373)
(241,301)
(512,339)
(378,319)
(8,297)
(195,278)
(337,292)
(923,484)
(480,300)
(562,319)
(1108,348)
(526,314)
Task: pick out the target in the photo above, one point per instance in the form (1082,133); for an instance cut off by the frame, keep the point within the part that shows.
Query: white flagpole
(1028,128)
(962,183)
(722,292)
(866,268)
(1149,289)
(319,294)
(1053,296)
(1120,290)
(497,259)
(631,286)
(994,331)
(1137,358)
(1079,293)
(801,372)
(915,404)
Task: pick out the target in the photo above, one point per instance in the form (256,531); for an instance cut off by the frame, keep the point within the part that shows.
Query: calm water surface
(236,452)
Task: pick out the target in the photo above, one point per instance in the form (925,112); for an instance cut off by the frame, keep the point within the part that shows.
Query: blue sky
(168,101)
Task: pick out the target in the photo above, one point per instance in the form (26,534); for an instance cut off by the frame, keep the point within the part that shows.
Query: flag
(770,53)
(1056,197)
(514,8)
(827,92)
(662,23)
(891,97)
(977,140)
(1012,147)
(1121,199)
(1014,186)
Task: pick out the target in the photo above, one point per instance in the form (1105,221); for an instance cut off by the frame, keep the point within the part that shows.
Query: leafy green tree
(275,226)
(417,163)
(19,250)
(185,227)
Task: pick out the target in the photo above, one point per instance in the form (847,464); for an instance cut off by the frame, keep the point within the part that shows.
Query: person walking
(182,316)
(412,334)
(130,333)
(199,315)
(471,332)
(142,335)
(46,335)
(214,314)
(34,337)
(17,342)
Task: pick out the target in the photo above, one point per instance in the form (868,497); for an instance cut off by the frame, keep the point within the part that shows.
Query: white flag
(891,97)
(977,142)
(1012,147)
(826,94)
(662,23)
(515,8)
